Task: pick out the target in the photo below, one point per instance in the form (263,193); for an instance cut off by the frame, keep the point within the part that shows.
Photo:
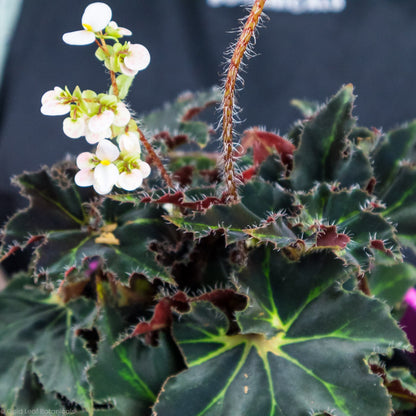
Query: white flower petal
(74,128)
(51,95)
(102,190)
(130,181)
(121,30)
(124,31)
(126,71)
(129,142)
(107,151)
(138,57)
(93,138)
(122,116)
(85,177)
(101,122)
(79,37)
(96,16)
(85,161)
(144,169)
(106,176)
(55,109)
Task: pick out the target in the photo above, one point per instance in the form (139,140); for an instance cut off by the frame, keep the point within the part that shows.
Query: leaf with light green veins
(314,360)
(323,140)
(130,374)
(36,328)
(258,201)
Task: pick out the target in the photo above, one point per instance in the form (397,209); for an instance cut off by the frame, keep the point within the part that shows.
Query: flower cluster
(100,118)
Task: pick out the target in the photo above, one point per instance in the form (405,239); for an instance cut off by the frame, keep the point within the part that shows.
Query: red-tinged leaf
(394,385)
(179,199)
(371,185)
(328,237)
(379,245)
(248,173)
(227,300)
(264,142)
(162,318)
(183,175)
(171,142)
(193,112)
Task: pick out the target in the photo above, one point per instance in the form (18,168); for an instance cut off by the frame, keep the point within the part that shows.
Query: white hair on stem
(243,47)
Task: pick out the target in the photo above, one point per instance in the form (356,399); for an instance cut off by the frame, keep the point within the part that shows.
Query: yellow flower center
(87,27)
(105,162)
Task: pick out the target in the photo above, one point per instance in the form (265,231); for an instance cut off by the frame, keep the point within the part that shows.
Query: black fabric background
(371,44)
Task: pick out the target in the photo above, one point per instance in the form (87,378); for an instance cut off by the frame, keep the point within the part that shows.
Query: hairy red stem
(155,159)
(228,99)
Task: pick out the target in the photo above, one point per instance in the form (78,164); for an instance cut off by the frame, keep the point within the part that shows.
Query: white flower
(129,142)
(55,103)
(95,18)
(74,128)
(144,169)
(133,179)
(98,127)
(93,138)
(137,59)
(98,170)
(121,30)
(122,116)
(101,122)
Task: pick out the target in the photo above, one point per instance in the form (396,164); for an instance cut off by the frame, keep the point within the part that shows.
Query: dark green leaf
(36,328)
(176,118)
(258,201)
(355,169)
(351,212)
(307,108)
(120,233)
(389,152)
(400,200)
(315,361)
(130,374)
(32,396)
(323,141)
(391,282)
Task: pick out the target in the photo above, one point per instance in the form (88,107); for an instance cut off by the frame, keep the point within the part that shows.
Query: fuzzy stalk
(155,159)
(103,46)
(228,98)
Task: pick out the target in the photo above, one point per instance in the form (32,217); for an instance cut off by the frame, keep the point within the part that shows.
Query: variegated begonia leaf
(302,350)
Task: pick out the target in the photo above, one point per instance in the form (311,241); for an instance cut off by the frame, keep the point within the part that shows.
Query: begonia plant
(264,277)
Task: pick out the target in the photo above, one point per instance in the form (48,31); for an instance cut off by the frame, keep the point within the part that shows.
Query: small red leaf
(183,175)
(379,245)
(162,318)
(248,173)
(328,237)
(263,143)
